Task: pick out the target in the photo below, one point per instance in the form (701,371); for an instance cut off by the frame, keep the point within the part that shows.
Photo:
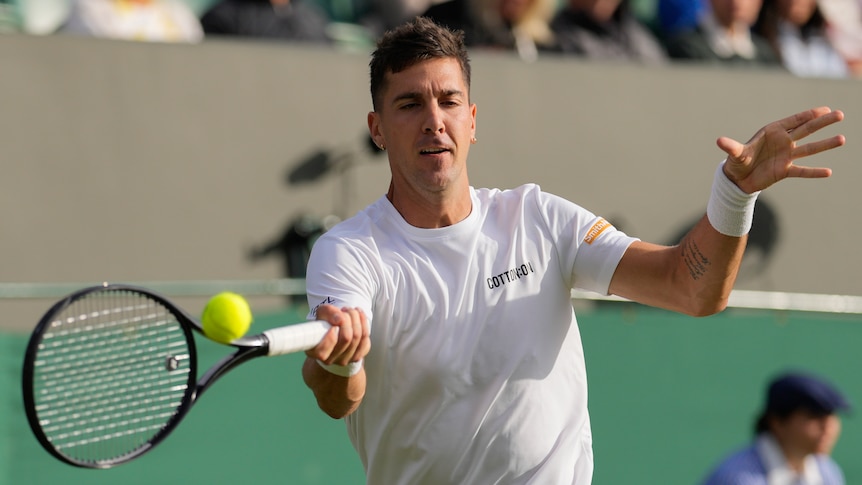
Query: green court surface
(669,396)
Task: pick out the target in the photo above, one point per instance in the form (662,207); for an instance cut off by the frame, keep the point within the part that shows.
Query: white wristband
(730,210)
(348,370)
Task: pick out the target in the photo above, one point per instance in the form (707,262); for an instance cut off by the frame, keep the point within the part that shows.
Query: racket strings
(109,375)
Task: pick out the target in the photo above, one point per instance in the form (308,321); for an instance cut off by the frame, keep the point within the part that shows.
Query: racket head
(109,371)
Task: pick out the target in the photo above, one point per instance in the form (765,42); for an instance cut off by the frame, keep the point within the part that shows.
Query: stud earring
(473,140)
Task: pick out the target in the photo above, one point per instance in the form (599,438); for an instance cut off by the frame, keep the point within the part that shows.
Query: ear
(473,115)
(374,129)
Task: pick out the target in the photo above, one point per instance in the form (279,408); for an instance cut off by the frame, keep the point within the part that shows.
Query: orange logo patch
(597,230)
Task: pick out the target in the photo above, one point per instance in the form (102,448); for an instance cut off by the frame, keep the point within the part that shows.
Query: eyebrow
(448,93)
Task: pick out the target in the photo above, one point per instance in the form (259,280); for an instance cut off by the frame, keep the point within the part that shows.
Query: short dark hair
(410,43)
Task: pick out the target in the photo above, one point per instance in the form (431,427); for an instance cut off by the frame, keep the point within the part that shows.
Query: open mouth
(433,151)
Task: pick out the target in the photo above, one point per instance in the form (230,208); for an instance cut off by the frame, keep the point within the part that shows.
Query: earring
(382,147)
(473,140)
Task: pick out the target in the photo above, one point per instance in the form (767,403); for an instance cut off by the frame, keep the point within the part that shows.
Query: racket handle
(296,338)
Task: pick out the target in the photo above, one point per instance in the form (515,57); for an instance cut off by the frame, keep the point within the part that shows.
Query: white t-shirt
(476,371)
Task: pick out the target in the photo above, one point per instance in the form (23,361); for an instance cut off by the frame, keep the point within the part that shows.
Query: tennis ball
(226,317)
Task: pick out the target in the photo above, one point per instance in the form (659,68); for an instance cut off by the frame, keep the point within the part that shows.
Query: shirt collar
(777,470)
(727,45)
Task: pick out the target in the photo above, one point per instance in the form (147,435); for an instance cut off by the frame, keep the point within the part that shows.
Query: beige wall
(134,162)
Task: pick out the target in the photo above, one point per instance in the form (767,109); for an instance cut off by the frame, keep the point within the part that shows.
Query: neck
(795,458)
(431,211)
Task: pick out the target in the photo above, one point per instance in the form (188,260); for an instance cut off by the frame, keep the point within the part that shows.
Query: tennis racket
(111,370)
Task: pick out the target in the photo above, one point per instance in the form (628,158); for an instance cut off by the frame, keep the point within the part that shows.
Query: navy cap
(793,391)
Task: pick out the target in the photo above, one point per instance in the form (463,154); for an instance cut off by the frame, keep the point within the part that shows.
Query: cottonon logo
(510,276)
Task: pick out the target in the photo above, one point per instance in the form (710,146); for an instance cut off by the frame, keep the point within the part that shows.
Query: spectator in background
(142,20)
(794,437)
(383,15)
(291,20)
(845,30)
(797,31)
(723,35)
(518,25)
(605,29)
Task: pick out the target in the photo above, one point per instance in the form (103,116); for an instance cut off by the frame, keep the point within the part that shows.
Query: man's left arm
(696,276)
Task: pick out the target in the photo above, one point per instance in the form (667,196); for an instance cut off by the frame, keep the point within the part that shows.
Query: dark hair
(418,40)
(768,20)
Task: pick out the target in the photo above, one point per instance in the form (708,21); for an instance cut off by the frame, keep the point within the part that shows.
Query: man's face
(807,432)
(426,122)
(729,13)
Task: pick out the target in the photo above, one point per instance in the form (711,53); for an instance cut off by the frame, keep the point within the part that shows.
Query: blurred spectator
(142,20)
(293,20)
(605,29)
(383,15)
(797,31)
(845,30)
(519,25)
(794,437)
(723,35)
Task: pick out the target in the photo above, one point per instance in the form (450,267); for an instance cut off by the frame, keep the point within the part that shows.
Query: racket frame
(247,349)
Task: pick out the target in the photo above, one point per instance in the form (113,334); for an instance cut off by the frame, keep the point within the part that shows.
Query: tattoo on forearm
(696,262)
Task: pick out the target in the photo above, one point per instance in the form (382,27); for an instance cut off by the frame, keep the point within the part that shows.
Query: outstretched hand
(769,155)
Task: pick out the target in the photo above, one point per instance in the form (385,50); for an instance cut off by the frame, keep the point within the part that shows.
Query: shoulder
(830,471)
(689,43)
(743,467)
(527,196)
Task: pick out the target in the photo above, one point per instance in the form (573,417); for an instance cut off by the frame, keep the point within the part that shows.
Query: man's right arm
(334,369)
(337,396)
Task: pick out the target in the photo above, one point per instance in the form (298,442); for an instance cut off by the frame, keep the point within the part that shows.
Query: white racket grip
(296,338)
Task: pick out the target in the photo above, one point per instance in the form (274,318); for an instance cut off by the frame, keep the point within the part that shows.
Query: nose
(433,120)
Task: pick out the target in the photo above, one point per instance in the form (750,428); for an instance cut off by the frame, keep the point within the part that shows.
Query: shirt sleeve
(338,274)
(589,246)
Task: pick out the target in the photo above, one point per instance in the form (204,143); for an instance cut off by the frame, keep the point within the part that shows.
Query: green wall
(669,395)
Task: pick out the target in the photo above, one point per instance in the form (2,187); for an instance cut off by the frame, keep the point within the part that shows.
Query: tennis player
(457,357)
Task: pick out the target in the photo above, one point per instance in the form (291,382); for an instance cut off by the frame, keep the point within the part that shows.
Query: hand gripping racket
(111,370)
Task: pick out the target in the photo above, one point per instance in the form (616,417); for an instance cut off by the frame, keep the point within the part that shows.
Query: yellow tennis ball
(227,316)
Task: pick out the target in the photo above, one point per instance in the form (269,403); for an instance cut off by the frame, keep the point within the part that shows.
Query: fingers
(800,171)
(349,339)
(815,147)
(730,146)
(799,126)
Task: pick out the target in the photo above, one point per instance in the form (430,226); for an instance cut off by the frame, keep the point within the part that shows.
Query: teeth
(433,150)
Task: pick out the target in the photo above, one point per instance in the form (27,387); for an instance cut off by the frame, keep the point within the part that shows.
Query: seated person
(144,20)
(797,31)
(723,35)
(605,29)
(291,20)
(518,25)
